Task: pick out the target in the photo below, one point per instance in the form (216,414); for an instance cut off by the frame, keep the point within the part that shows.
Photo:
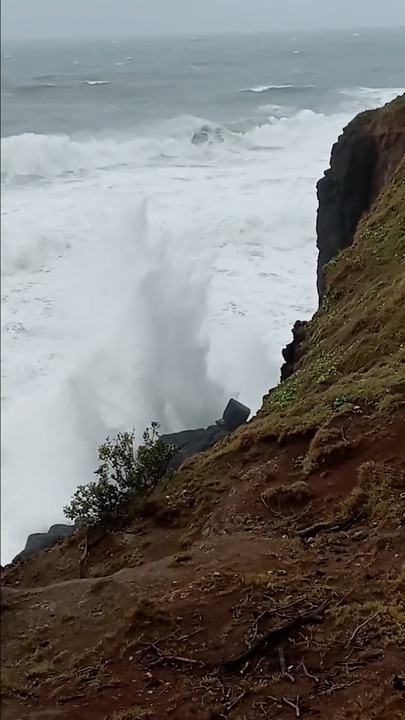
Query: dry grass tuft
(329,445)
(377,495)
(297,493)
(145,611)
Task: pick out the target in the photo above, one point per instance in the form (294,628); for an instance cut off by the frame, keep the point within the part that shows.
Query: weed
(339,401)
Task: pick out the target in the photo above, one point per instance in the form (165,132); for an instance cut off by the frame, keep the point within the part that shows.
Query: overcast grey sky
(117,18)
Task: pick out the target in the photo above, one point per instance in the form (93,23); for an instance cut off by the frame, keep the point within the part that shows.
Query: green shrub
(123,473)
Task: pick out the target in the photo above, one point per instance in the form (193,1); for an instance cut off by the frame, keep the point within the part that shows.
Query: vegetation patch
(377,495)
(124,473)
(298,493)
(328,445)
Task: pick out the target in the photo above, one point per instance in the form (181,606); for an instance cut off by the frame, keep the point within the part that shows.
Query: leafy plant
(339,401)
(122,474)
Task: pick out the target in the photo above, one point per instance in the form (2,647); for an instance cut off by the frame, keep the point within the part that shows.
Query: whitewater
(148,278)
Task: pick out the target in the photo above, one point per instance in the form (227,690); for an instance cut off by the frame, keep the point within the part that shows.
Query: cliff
(286,538)
(362,161)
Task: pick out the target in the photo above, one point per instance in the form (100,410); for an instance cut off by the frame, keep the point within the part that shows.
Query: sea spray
(143,356)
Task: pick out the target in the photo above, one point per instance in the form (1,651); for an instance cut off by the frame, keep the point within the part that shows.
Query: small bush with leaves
(123,473)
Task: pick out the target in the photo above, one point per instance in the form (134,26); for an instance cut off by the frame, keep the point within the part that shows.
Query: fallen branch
(177,659)
(148,646)
(275,611)
(331,526)
(334,687)
(274,637)
(65,700)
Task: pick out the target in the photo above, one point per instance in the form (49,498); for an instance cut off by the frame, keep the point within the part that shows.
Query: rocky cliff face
(363,159)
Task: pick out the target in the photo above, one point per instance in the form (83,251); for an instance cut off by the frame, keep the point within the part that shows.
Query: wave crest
(268,88)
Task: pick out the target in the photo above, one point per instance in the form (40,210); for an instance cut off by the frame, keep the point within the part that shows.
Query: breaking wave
(268,88)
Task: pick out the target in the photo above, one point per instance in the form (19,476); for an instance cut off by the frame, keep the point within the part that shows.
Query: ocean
(146,276)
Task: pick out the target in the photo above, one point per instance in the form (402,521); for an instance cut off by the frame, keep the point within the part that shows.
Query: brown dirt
(147,641)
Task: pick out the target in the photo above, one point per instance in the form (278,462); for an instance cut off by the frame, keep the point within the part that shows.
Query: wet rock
(192,442)
(293,351)
(206,134)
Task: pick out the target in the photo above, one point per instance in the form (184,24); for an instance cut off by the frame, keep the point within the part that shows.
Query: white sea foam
(267,88)
(145,278)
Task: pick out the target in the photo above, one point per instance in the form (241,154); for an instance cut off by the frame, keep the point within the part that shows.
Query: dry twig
(362,625)
(83,556)
(230,706)
(295,705)
(308,674)
(177,659)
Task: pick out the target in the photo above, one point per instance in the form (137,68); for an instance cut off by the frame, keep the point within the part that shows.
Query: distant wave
(38,87)
(47,76)
(269,88)
(48,82)
(377,94)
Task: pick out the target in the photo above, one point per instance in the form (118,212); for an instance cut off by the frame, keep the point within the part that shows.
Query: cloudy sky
(115,18)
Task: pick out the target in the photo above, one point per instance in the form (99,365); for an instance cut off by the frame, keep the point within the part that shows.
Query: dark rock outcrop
(207,134)
(362,160)
(293,351)
(192,442)
(37,542)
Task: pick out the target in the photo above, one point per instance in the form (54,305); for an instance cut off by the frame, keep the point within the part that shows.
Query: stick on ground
(274,637)
(363,624)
